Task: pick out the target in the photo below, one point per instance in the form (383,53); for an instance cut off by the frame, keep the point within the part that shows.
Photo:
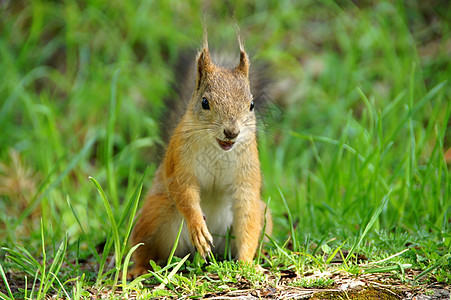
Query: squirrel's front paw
(201,239)
(136,272)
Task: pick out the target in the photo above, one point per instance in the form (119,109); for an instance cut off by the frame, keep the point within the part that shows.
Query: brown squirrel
(209,176)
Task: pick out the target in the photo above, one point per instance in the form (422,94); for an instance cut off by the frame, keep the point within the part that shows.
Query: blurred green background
(360,109)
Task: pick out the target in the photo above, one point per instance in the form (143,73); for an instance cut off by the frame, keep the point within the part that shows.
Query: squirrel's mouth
(225,145)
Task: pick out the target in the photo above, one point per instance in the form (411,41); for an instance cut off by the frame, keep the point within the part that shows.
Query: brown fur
(201,182)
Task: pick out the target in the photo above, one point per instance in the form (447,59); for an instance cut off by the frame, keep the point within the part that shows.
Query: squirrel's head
(222,101)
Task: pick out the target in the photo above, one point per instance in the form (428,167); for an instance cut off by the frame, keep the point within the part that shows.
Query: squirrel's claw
(201,239)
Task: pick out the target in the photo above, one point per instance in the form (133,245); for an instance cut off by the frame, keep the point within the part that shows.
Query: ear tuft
(243,66)
(204,65)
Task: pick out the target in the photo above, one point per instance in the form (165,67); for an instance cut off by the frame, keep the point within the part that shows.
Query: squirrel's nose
(231,134)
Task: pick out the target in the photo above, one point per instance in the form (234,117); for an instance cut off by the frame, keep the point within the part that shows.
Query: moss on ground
(363,294)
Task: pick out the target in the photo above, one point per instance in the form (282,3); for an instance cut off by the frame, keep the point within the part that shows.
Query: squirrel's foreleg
(187,199)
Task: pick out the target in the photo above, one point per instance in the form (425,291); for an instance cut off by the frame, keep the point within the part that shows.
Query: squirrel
(210,174)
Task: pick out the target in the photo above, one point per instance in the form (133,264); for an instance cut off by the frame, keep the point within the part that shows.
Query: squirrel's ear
(243,66)
(204,66)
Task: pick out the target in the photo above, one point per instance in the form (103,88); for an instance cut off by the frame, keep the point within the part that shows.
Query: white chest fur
(216,171)
(215,168)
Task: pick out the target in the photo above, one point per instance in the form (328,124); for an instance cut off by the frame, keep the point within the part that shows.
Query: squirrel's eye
(252,105)
(205,104)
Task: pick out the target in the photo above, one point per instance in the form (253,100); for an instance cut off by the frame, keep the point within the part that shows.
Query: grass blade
(290,221)
(124,268)
(56,265)
(368,226)
(329,259)
(419,104)
(110,139)
(388,258)
(176,242)
(260,246)
(5,281)
(116,242)
(167,279)
(439,263)
(133,206)
(88,238)
(399,267)
(43,266)
(60,284)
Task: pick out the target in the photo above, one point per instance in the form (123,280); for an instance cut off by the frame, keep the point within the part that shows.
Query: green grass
(352,148)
